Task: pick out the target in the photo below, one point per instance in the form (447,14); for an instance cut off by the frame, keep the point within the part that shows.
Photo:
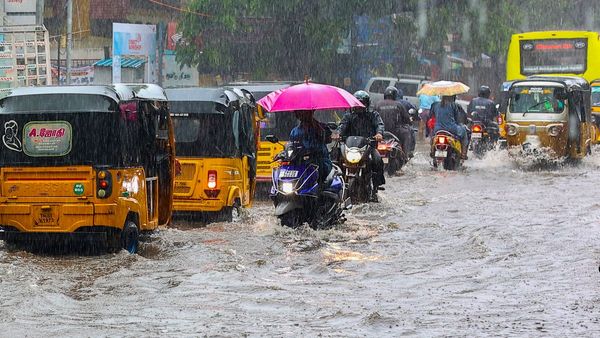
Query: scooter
(300,197)
(483,138)
(446,151)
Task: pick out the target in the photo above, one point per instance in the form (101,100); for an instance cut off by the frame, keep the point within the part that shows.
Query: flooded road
(491,250)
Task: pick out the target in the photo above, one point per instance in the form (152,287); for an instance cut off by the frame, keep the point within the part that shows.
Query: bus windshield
(553,56)
(535,100)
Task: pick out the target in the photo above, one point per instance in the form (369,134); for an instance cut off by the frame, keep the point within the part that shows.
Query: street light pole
(69,38)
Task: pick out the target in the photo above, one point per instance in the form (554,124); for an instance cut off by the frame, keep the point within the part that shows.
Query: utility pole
(69,38)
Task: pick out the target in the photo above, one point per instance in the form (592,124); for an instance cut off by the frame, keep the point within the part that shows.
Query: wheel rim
(130,238)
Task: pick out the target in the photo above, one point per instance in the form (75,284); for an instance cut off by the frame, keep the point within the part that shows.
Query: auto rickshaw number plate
(532,129)
(44,217)
(476,135)
(441,153)
(288,173)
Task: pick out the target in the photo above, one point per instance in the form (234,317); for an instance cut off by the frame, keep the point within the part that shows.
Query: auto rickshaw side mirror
(272,138)
(560,94)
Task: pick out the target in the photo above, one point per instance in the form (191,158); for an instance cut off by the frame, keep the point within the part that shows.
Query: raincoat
(449,118)
(314,137)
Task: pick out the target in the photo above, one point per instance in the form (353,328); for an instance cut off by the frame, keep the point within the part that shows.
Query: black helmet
(484,91)
(390,93)
(363,97)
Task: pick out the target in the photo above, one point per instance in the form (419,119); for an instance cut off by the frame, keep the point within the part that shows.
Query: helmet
(390,93)
(484,91)
(363,97)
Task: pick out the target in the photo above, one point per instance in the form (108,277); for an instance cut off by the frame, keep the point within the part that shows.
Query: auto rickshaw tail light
(103,184)
(511,130)
(554,130)
(212,179)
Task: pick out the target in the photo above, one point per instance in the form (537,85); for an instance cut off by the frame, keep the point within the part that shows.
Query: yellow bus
(554,52)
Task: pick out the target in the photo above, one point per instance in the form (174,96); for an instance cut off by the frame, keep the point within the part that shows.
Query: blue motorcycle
(298,194)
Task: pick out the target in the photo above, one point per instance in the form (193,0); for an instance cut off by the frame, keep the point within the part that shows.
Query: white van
(409,84)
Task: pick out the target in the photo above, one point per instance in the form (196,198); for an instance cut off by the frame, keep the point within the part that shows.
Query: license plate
(441,153)
(288,173)
(476,135)
(386,160)
(532,129)
(46,217)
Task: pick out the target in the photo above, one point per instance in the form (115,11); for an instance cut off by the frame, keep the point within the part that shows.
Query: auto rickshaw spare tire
(130,237)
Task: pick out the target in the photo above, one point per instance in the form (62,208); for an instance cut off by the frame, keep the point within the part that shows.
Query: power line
(179,9)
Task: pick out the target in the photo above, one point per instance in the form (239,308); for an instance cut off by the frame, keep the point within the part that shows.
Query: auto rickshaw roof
(261,89)
(569,82)
(108,91)
(146,91)
(201,100)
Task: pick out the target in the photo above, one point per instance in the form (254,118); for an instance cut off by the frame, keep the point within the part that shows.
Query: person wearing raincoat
(314,137)
(449,116)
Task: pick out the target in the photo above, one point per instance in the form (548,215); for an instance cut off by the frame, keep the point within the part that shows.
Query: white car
(409,85)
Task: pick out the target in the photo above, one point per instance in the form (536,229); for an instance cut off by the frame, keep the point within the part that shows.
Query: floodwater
(491,250)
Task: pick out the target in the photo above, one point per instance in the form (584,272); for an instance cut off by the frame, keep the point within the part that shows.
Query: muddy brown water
(494,249)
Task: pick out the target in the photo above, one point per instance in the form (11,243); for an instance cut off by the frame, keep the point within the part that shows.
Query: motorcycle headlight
(287,187)
(353,156)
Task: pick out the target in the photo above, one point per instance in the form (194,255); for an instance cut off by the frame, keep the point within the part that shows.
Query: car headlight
(287,187)
(353,156)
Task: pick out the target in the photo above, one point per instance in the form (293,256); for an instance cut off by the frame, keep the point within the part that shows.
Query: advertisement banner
(137,40)
(79,75)
(174,75)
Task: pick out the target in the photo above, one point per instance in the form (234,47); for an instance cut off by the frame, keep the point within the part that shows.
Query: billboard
(134,40)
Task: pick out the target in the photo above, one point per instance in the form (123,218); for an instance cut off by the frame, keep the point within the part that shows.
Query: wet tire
(292,219)
(130,237)
(451,162)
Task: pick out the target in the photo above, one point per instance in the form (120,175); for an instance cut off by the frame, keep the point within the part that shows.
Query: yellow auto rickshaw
(85,162)
(548,117)
(595,87)
(217,133)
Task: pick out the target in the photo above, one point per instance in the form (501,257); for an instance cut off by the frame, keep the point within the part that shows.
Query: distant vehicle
(408,84)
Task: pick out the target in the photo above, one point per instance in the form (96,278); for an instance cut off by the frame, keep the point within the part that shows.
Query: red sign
(561,46)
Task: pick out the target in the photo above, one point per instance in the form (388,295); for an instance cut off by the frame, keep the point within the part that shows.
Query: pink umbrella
(308,96)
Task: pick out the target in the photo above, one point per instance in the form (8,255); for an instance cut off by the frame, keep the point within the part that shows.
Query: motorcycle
(446,151)
(299,196)
(391,153)
(483,137)
(356,169)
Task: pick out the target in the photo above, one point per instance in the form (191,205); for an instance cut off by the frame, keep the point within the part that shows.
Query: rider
(314,136)
(362,122)
(396,118)
(449,116)
(414,114)
(485,108)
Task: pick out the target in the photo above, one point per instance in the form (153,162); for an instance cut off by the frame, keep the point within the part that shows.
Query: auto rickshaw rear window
(538,99)
(205,135)
(57,103)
